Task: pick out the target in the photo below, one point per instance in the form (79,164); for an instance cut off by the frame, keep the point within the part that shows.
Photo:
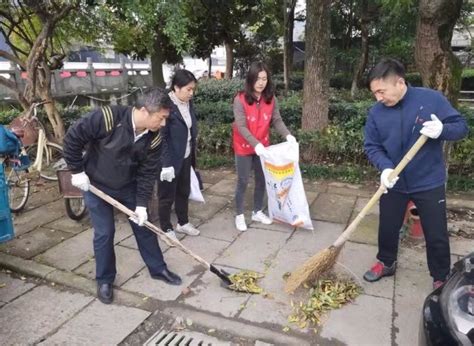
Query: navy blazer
(174,139)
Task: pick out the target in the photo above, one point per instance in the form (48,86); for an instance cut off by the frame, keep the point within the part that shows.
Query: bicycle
(47,158)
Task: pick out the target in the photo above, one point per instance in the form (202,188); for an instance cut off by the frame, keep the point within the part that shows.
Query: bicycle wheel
(18,188)
(75,208)
(52,160)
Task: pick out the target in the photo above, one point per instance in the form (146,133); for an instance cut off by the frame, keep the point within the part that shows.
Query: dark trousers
(431,206)
(244,165)
(102,217)
(177,192)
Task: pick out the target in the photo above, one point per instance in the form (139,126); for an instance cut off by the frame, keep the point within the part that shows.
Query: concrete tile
(351,324)
(208,294)
(348,190)
(67,225)
(94,325)
(34,242)
(314,186)
(411,289)
(71,253)
(31,219)
(44,308)
(361,202)
(224,188)
(10,287)
(355,259)
(332,208)
(181,264)
(43,194)
(209,209)
(221,226)
(260,309)
(253,249)
(367,230)
(212,176)
(128,263)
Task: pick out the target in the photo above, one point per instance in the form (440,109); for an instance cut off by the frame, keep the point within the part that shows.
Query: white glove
(81,181)
(384,179)
(141,216)
(432,128)
(167,173)
(291,139)
(260,150)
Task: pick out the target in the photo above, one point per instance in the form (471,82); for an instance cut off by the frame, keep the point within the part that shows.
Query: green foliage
(215,112)
(467,82)
(215,139)
(213,90)
(6,116)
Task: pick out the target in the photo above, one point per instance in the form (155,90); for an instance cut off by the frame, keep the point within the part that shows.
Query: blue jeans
(102,217)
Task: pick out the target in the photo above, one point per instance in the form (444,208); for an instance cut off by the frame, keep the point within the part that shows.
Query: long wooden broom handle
(148,225)
(405,160)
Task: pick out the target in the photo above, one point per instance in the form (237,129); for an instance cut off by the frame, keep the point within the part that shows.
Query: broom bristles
(313,268)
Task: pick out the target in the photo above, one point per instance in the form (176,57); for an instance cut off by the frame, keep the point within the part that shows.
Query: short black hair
(154,100)
(251,79)
(182,78)
(385,68)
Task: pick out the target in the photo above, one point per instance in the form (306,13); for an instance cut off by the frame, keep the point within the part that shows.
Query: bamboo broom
(325,259)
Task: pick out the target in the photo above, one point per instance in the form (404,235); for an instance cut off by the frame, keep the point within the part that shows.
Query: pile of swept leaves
(246,281)
(326,295)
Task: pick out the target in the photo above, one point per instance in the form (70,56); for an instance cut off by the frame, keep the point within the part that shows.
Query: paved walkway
(47,287)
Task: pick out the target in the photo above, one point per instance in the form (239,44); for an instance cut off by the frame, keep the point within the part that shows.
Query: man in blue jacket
(394,124)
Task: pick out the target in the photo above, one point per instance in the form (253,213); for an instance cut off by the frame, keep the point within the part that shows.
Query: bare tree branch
(12,58)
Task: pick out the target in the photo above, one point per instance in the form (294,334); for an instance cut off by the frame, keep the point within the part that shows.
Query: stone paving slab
(65,224)
(411,289)
(221,226)
(213,176)
(44,308)
(355,260)
(210,208)
(314,186)
(461,246)
(128,263)
(361,203)
(367,230)
(30,220)
(225,187)
(180,263)
(80,330)
(259,247)
(348,190)
(10,288)
(71,253)
(332,208)
(207,293)
(354,323)
(34,242)
(43,194)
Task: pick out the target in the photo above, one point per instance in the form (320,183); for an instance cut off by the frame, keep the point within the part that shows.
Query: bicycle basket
(29,128)
(9,143)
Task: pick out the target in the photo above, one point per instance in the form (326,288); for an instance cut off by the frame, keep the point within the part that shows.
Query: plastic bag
(195,193)
(287,201)
(9,143)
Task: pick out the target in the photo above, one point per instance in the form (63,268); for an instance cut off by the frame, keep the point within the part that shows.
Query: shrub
(7,116)
(215,112)
(213,90)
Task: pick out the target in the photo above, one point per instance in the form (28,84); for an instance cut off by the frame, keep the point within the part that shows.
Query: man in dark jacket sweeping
(394,124)
(121,158)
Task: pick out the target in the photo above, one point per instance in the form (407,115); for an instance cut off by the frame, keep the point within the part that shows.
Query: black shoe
(105,293)
(167,276)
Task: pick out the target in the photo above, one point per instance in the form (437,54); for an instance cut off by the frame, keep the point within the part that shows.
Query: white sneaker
(259,216)
(172,235)
(188,229)
(240,223)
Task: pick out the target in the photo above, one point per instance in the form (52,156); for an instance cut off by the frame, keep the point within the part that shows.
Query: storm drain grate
(172,338)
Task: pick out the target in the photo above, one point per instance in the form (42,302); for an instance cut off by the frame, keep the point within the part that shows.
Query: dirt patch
(461,223)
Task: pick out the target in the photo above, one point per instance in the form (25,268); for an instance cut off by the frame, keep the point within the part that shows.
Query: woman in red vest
(255,109)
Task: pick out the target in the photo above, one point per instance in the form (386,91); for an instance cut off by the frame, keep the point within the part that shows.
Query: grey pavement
(47,287)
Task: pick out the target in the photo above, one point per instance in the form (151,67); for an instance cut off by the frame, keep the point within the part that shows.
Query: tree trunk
(364,49)
(229,59)
(157,60)
(289,23)
(316,72)
(440,69)
(209,68)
